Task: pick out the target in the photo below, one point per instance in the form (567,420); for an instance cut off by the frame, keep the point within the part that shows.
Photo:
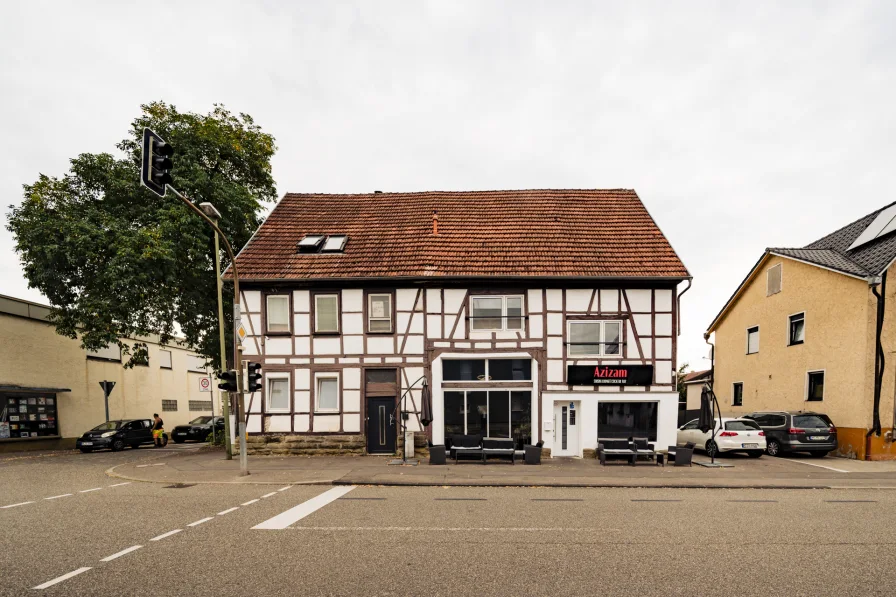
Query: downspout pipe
(678,307)
(879,360)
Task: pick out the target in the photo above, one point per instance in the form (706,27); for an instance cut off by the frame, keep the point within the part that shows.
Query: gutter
(879,359)
(678,307)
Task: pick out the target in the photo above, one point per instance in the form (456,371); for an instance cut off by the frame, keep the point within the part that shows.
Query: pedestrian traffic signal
(155,171)
(253,377)
(228,381)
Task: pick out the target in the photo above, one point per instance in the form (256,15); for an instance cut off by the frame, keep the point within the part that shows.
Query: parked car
(797,431)
(733,435)
(115,435)
(198,429)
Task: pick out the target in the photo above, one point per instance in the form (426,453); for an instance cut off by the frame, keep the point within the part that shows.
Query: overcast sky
(741,125)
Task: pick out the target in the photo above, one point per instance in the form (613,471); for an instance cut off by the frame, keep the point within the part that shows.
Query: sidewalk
(209,466)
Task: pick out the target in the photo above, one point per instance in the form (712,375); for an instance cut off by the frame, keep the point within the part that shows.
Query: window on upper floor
(326,313)
(737,392)
(773,282)
(594,338)
(496,313)
(277,315)
(165,359)
(797,329)
(815,386)
(379,313)
(753,340)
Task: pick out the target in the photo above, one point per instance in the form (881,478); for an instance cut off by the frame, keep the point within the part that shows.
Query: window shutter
(774,280)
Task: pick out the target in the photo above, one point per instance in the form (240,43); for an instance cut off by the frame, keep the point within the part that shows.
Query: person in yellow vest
(158,428)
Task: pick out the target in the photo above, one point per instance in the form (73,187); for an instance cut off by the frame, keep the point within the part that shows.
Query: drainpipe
(678,308)
(879,362)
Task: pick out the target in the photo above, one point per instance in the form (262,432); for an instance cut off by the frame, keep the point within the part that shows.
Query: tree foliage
(116,261)
(682,389)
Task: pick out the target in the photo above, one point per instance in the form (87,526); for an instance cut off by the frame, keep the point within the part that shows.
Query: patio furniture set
(484,447)
(636,447)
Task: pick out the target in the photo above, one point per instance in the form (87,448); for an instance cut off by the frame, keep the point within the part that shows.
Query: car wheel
(117,445)
(164,440)
(754,453)
(179,441)
(712,450)
(818,454)
(86,450)
(773,448)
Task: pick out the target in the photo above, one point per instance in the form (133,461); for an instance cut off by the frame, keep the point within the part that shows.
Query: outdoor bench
(466,444)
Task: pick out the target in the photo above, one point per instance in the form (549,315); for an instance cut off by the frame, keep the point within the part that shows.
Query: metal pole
(106,397)
(225,406)
(244,464)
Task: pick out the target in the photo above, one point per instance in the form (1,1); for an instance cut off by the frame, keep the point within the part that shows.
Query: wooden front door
(381,425)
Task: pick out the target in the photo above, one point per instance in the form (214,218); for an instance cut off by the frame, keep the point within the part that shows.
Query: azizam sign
(613,375)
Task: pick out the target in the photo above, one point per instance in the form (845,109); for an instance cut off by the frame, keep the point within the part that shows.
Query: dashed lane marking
(165,535)
(228,511)
(120,484)
(249,502)
(59,579)
(199,522)
(89,490)
(123,552)
(15,505)
(267,495)
(284,488)
(293,515)
(56,497)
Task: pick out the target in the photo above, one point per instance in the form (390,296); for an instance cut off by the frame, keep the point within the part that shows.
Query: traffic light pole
(236,396)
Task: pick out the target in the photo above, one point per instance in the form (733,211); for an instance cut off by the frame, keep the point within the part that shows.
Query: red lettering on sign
(609,372)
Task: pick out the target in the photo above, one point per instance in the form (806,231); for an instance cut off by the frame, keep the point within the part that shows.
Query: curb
(110,472)
(367,483)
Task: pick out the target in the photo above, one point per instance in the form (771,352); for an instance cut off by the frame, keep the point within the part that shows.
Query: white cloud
(741,125)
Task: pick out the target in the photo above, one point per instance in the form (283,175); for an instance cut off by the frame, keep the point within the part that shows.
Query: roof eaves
(864,276)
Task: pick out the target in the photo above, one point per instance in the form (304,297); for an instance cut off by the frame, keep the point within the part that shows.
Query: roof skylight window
(335,244)
(311,243)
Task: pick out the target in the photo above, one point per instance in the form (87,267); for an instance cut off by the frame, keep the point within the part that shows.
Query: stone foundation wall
(321,445)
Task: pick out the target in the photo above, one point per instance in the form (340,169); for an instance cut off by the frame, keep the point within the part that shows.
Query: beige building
(802,332)
(50,387)
(693,384)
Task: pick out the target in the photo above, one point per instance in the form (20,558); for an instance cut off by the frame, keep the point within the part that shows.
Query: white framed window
(596,338)
(278,312)
(277,399)
(737,393)
(773,280)
(196,363)
(815,386)
(496,313)
(165,359)
(379,313)
(753,340)
(326,313)
(326,392)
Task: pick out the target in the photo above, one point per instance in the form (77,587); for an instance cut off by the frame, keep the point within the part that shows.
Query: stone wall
(321,445)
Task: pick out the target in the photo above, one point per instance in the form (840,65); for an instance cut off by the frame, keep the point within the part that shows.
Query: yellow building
(802,332)
(50,389)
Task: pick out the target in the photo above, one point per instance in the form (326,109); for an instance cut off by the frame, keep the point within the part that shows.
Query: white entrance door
(566,430)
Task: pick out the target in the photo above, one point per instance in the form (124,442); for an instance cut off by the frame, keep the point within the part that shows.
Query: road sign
(241,332)
(205,384)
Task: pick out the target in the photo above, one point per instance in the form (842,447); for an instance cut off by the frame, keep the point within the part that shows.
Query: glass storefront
(490,413)
(622,420)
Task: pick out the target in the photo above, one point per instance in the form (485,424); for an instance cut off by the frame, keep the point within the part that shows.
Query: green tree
(682,389)
(116,261)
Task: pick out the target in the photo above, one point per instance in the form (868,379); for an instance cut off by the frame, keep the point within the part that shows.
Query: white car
(734,435)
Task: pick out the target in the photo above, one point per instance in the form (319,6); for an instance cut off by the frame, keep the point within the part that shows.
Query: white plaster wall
(302,379)
(301,325)
(433,300)
(663,299)
(577,300)
(663,324)
(643,323)
(353,344)
(303,400)
(352,300)
(380,345)
(555,299)
(433,326)
(555,324)
(251,300)
(326,423)
(279,423)
(555,347)
(351,378)
(535,302)
(302,423)
(351,400)
(326,345)
(352,323)
(404,298)
(278,345)
(351,423)
(536,326)
(253,425)
(416,323)
(664,348)
(414,345)
(609,300)
(301,301)
(454,298)
(303,345)
(638,299)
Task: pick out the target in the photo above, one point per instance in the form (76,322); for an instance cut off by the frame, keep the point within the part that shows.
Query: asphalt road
(430,540)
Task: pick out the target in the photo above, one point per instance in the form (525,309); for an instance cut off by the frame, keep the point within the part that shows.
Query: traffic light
(155,171)
(228,381)
(253,377)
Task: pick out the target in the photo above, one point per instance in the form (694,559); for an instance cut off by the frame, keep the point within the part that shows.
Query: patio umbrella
(426,407)
(706,419)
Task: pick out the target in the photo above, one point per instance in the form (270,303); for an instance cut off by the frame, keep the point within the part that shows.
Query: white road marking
(830,468)
(199,522)
(267,495)
(89,490)
(249,502)
(59,579)
(123,552)
(450,529)
(146,465)
(15,505)
(284,488)
(293,515)
(56,497)
(228,511)
(120,484)
(164,535)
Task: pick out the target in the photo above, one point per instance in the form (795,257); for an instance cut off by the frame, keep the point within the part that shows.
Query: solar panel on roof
(335,244)
(884,223)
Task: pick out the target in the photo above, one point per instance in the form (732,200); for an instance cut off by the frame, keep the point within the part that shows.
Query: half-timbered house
(541,315)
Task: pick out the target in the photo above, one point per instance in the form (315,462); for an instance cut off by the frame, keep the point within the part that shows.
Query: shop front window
(622,420)
(25,416)
(494,413)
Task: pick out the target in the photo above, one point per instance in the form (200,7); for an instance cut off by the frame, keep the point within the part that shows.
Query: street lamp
(214,215)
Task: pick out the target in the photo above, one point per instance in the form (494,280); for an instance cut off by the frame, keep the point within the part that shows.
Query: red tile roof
(695,375)
(553,233)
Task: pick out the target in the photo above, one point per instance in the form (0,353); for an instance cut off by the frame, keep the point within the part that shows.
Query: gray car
(796,431)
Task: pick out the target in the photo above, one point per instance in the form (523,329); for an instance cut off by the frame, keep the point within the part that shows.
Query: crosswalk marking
(291,516)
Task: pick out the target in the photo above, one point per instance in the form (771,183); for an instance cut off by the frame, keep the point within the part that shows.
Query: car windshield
(107,426)
(809,421)
(741,426)
(201,421)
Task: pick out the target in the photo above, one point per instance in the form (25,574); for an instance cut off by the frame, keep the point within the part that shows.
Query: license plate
(818,437)
(86,443)
(180,434)
(750,445)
